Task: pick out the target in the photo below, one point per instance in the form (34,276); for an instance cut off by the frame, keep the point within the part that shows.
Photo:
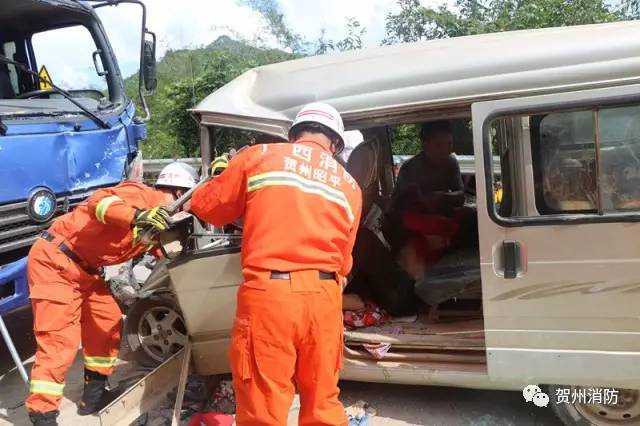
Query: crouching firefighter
(71,302)
(301,211)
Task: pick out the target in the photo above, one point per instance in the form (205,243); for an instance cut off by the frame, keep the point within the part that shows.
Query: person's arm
(406,191)
(110,205)
(222,200)
(455,196)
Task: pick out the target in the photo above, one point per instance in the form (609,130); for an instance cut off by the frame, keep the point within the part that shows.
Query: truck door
(560,253)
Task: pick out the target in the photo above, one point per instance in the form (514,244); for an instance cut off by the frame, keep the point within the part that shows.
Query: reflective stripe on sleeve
(100,361)
(305,185)
(46,387)
(103,205)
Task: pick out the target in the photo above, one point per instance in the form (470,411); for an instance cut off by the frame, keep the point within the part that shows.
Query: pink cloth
(377,350)
(211,419)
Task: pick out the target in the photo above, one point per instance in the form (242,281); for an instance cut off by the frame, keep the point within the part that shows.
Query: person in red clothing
(301,212)
(71,302)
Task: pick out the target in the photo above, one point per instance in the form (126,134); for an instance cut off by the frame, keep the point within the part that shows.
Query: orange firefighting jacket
(99,230)
(301,208)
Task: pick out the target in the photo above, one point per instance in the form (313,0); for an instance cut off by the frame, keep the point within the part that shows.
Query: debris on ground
(197,396)
(359,413)
(223,400)
(377,350)
(371,315)
(122,283)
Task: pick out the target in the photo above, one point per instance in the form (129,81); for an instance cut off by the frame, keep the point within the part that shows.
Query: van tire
(151,347)
(575,414)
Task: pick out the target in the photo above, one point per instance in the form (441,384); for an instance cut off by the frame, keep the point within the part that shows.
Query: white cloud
(69,65)
(178,25)
(309,18)
(196,23)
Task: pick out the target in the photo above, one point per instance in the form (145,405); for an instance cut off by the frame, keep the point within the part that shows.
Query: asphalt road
(394,404)
(438,406)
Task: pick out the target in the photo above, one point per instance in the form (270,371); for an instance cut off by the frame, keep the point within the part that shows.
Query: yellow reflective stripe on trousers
(305,185)
(103,205)
(46,387)
(100,361)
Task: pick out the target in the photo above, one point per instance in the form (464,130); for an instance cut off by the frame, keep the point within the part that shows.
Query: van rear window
(564,158)
(584,162)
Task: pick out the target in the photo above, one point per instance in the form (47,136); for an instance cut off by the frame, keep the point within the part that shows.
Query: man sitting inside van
(426,204)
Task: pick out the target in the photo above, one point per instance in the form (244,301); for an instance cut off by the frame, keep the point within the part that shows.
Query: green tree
(406,139)
(324,45)
(351,41)
(414,22)
(631,8)
(277,25)
(173,119)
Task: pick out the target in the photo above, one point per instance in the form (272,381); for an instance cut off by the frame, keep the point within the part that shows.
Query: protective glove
(149,221)
(219,164)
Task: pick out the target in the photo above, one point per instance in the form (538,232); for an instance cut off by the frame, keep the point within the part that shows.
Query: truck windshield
(79,71)
(71,69)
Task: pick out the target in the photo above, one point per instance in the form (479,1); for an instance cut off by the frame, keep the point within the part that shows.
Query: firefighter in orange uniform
(301,211)
(71,302)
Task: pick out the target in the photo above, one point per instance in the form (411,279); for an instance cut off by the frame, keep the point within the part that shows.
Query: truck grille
(17,230)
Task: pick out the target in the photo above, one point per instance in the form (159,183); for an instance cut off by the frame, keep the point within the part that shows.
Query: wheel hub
(626,410)
(161,332)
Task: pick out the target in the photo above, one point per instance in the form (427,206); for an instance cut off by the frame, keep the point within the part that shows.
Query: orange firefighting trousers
(287,333)
(70,307)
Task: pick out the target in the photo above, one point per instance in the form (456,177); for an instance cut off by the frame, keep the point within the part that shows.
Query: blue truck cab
(55,151)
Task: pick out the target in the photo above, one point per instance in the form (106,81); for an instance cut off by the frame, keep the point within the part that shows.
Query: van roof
(438,74)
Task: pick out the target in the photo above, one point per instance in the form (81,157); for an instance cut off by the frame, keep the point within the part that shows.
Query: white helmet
(319,112)
(178,175)
(352,139)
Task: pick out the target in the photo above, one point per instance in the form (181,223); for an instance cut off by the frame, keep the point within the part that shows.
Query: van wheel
(625,412)
(155,330)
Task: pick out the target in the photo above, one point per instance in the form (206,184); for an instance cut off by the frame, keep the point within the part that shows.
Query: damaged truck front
(67,126)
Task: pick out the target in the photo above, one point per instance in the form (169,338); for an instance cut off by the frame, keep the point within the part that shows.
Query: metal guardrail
(153,167)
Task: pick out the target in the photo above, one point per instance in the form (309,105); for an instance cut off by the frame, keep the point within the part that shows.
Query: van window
(564,158)
(620,158)
(583,162)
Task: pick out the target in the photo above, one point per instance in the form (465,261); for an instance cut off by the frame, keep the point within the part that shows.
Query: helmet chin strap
(336,148)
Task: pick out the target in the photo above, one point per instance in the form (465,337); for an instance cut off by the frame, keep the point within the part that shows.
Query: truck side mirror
(149,65)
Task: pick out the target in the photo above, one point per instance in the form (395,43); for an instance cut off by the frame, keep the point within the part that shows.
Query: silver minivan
(553,119)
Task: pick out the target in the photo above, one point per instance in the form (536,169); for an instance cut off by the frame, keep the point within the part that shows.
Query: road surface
(395,404)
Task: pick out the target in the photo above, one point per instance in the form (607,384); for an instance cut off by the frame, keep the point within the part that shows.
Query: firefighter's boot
(47,418)
(94,389)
